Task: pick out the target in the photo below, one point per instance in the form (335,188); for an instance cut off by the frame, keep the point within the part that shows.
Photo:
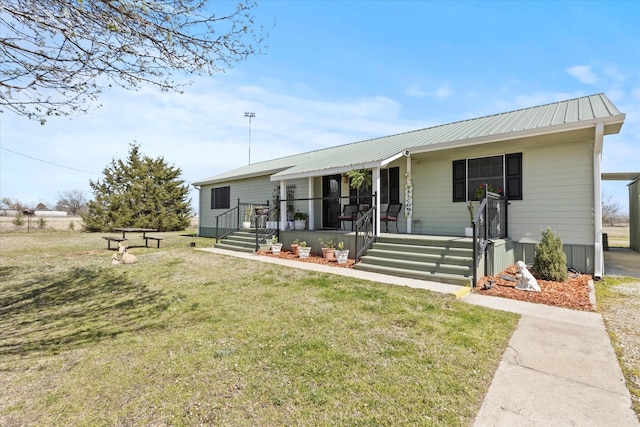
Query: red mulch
(574,293)
(315,259)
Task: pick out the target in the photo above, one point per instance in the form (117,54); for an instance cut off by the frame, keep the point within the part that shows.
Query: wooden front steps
(437,258)
(240,241)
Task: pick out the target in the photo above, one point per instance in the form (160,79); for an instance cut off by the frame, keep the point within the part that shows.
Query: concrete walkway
(559,368)
(622,262)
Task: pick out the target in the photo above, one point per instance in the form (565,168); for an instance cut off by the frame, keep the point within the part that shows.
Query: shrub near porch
(187,337)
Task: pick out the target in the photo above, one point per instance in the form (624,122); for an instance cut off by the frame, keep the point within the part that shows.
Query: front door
(330,201)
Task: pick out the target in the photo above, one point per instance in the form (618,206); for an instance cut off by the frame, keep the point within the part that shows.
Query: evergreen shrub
(550,262)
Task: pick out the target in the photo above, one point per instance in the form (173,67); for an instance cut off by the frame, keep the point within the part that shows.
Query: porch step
(240,241)
(437,258)
(450,279)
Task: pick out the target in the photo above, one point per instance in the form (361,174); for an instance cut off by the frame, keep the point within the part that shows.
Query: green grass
(186,337)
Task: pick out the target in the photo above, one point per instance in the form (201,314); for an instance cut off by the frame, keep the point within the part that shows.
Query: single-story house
(544,160)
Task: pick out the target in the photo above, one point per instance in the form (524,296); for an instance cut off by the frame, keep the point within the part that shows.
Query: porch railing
(365,232)
(263,230)
(227,222)
(489,222)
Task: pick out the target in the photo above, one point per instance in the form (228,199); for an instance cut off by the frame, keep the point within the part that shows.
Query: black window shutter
(514,176)
(220,198)
(459,181)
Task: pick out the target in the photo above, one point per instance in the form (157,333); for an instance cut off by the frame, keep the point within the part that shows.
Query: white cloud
(583,73)
(442,92)
(202,131)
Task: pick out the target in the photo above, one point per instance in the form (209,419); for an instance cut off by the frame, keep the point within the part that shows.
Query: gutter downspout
(197,187)
(598,267)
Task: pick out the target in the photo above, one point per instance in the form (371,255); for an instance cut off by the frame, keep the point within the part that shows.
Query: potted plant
(468,231)
(294,247)
(248,211)
(265,245)
(275,246)
(272,222)
(479,195)
(303,250)
(300,220)
(328,250)
(360,178)
(341,253)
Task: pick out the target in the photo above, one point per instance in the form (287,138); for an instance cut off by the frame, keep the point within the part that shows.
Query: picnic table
(144,232)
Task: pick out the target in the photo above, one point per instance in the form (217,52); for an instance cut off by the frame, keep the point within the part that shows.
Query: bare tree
(8,203)
(71,201)
(610,210)
(56,55)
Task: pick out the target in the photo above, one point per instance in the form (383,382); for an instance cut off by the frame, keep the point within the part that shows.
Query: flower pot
(265,246)
(303,251)
(276,248)
(294,249)
(300,224)
(246,224)
(329,254)
(468,231)
(342,256)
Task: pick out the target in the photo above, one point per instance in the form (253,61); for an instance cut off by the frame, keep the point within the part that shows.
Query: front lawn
(187,337)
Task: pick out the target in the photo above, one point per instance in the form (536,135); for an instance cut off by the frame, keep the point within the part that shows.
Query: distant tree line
(74,202)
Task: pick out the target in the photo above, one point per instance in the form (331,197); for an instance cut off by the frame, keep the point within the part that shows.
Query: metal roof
(620,176)
(572,114)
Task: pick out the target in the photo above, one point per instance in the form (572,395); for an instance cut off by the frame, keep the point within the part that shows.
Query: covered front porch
(366,235)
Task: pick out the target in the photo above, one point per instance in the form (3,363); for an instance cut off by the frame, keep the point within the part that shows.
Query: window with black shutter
(220,197)
(504,173)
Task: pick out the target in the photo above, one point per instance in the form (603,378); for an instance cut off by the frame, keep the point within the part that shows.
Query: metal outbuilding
(634,203)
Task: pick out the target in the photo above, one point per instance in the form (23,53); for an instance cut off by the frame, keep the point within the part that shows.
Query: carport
(634,203)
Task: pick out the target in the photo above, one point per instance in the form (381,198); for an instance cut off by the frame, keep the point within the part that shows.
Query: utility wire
(50,163)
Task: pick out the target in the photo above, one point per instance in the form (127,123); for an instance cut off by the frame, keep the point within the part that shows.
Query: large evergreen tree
(139,192)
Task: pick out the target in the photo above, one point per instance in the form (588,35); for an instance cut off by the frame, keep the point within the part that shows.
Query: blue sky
(339,72)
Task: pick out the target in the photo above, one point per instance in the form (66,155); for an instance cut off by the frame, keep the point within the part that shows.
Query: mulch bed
(315,259)
(574,293)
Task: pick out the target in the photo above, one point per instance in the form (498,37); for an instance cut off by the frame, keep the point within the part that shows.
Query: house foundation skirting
(580,257)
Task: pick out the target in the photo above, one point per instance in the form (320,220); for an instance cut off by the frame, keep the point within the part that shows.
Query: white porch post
(408,202)
(311,212)
(283,205)
(598,261)
(375,178)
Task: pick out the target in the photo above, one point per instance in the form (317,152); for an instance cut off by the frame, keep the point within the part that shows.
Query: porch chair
(391,215)
(349,213)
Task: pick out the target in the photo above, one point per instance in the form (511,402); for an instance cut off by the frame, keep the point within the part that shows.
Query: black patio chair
(391,215)
(349,213)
